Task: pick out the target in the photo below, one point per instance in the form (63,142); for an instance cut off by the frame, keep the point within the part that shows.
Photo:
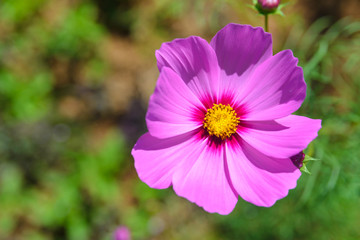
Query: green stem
(266,23)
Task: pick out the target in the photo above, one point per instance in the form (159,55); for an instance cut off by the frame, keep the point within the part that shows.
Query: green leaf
(305,170)
(305,162)
(308,158)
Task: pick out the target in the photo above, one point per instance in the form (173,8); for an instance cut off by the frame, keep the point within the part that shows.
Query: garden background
(75,79)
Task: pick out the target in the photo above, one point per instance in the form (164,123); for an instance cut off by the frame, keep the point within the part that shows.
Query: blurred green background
(75,78)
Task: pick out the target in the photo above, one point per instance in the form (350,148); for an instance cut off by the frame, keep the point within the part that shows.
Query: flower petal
(257,178)
(173,108)
(276,88)
(195,62)
(239,49)
(157,159)
(282,137)
(204,181)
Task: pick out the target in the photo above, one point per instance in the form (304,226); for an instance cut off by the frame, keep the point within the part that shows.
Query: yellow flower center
(221,121)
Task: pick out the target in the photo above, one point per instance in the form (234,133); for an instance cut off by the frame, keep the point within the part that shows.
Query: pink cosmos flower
(220,122)
(122,233)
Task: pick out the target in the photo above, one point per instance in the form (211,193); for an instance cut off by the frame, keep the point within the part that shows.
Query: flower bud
(298,159)
(267,6)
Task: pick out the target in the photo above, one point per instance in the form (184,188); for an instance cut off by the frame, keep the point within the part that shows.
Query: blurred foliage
(65,165)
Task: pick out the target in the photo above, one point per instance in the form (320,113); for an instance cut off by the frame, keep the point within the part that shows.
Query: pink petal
(157,159)
(173,108)
(195,62)
(276,88)
(257,178)
(203,180)
(122,233)
(239,49)
(282,137)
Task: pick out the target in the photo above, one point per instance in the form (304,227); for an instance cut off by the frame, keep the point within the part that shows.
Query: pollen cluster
(221,121)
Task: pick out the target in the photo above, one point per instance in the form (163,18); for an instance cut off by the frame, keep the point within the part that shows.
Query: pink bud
(298,159)
(268,4)
(122,233)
